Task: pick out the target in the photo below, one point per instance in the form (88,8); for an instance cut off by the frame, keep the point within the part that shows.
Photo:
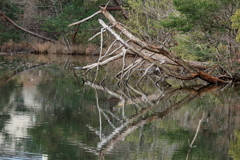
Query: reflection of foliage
(71,107)
(65,90)
(169,138)
(53,137)
(164,123)
(7,89)
(3,119)
(235,146)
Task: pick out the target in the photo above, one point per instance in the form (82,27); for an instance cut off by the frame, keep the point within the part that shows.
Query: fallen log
(150,53)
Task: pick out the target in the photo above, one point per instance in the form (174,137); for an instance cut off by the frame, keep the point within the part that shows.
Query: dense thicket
(48,18)
(198,30)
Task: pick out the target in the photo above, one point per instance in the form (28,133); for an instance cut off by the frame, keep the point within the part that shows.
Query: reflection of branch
(145,73)
(199,124)
(94,130)
(195,136)
(100,117)
(31,68)
(129,126)
(99,87)
(200,90)
(118,135)
(146,115)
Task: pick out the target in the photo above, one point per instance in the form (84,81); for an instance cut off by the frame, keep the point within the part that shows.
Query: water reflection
(148,108)
(53,113)
(17,115)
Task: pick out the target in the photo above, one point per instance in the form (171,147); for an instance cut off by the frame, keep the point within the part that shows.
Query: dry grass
(48,47)
(41,47)
(10,46)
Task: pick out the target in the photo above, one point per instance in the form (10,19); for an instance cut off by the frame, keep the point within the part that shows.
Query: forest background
(206,30)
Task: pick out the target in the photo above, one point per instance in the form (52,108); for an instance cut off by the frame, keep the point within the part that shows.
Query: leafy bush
(189,48)
(236,23)
(144,18)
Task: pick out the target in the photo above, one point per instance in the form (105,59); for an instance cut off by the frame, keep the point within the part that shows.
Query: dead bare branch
(158,56)
(85,19)
(25,30)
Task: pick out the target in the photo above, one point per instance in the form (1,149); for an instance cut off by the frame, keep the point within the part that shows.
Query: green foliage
(144,17)
(7,32)
(236,23)
(53,18)
(189,48)
(234,150)
(208,18)
(177,23)
(11,9)
(199,28)
(69,12)
(195,14)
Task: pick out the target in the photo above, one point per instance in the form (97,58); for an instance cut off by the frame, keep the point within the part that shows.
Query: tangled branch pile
(156,56)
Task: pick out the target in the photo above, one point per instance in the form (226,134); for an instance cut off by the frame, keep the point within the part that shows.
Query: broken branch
(25,30)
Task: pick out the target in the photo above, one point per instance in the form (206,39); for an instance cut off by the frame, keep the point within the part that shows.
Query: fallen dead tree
(156,56)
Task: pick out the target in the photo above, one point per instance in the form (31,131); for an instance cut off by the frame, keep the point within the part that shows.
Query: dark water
(48,113)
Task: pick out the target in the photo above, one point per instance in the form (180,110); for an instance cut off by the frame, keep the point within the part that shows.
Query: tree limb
(25,30)
(141,46)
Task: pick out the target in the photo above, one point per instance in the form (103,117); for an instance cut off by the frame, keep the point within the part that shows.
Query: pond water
(51,112)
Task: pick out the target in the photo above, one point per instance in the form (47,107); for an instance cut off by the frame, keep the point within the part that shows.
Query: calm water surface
(48,113)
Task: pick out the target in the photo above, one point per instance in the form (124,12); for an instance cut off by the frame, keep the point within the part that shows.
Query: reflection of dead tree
(197,131)
(144,116)
(108,143)
(125,99)
(28,69)
(157,56)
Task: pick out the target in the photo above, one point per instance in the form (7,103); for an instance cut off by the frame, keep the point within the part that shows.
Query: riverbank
(48,48)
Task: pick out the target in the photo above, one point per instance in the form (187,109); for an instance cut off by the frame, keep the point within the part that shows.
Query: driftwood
(25,30)
(157,56)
